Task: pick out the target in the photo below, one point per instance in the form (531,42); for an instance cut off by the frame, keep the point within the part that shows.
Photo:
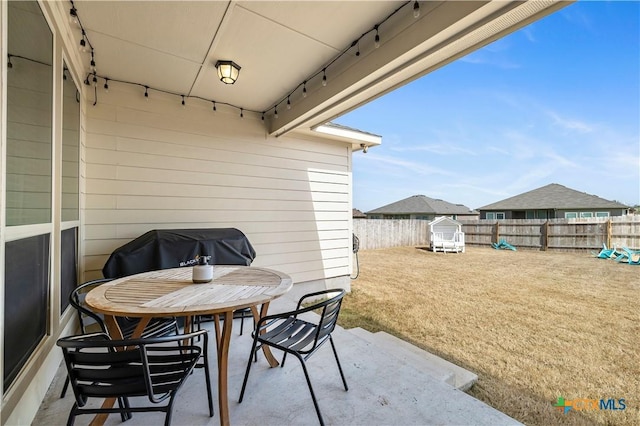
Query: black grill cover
(172,248)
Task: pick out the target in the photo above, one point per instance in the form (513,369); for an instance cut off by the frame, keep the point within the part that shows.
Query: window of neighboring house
(586,214)
(495,215)
(602,214)
(423,217)
(570,215)
(531,214)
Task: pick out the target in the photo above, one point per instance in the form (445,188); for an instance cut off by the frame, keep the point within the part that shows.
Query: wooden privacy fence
(385,233)
(536,234)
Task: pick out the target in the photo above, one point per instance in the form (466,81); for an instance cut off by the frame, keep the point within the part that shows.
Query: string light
(85,46)
(9,64)
(95,79)
(83,43)
(106,85)
(73,15)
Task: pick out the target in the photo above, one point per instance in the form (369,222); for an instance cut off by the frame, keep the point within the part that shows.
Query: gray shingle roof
(553,196)
(420,204)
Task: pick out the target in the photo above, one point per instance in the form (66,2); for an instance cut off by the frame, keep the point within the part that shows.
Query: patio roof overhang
(174,46)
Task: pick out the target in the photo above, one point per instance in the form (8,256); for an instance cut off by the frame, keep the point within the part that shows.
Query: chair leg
(72,415)
(246,374)
(208,381)
(313,395)
(169,409)
(338,361)
(64,387)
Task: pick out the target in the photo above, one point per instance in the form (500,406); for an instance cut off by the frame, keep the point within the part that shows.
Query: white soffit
(349,135)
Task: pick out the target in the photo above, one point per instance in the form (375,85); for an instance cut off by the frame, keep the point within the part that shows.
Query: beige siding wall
(154,164)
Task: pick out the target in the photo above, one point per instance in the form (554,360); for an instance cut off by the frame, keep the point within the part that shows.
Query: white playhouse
(446,235)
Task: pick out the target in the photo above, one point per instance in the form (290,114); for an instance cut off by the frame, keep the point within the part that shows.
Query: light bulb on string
(416,9)
(95,79)
(262,115)
(83,42)
(324,77)
(9,64)
(358,50)
(214,106)
(304,89)
(288,103)
(275,112)
(106,85)
(73,16)
(376,40)
(183,103)
(241,113)
(146,93)
(93,62)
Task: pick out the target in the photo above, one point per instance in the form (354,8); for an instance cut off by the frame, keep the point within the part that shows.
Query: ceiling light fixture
(228,71)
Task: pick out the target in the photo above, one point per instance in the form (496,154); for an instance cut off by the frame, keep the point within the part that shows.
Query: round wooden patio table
(171,293)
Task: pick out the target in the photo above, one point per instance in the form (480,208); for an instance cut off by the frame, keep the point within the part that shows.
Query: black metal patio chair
(299,337)
(157,368)
(91,321)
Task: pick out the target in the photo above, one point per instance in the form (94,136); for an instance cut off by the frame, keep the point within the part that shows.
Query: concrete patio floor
(383,390)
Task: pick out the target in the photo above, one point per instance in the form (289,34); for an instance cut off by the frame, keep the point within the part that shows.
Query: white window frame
(586,215)
(602,214)
(495,215)
(570,215)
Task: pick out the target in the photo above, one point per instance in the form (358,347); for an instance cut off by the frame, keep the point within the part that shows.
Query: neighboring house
(151,138)
(422,207)
(357,214)
(551,202)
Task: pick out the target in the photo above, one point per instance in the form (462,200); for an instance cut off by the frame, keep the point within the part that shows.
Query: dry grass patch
(533,325)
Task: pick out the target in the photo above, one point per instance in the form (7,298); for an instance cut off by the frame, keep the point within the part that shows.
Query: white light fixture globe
(228,71)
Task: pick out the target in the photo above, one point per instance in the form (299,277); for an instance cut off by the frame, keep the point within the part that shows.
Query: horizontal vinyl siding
(155,165)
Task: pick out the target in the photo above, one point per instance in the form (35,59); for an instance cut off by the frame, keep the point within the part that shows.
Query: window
(495,215)
(602,214)
(570,215)
(28,174)
(70,148)
(26,282)
(29,117)
(586,214)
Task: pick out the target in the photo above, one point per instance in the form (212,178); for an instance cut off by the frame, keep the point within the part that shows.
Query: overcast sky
(556,102)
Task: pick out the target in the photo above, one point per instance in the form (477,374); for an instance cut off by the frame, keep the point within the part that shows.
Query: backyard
(534,326)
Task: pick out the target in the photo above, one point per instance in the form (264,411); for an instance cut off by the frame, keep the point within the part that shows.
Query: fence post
(545,236)
(609,233)
(497,231)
